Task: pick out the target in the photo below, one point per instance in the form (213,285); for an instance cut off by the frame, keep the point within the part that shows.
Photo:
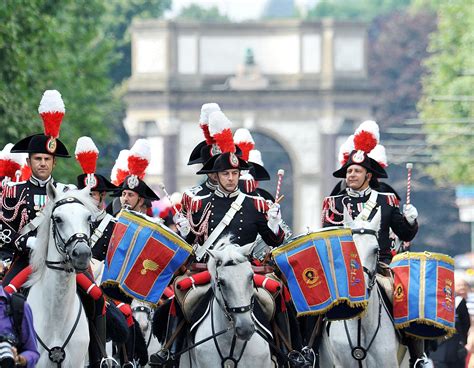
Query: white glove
(274,218)
(182,223)
(31,242)
(410,213)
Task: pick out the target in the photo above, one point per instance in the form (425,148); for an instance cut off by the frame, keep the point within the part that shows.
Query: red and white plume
(379,155)
(345,150)
(139,159)
(52,110)
(10,163)
(87,154)
(244,140)
(206,110)
(366,136)
(219,127)
(256,157)
(120,169)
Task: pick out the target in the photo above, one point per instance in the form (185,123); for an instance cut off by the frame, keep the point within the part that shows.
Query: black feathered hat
(358,148)
(52,110)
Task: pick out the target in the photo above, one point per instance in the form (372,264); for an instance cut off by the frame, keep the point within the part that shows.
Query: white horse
(230,314)
(378,343)
(143,314)
(61,249)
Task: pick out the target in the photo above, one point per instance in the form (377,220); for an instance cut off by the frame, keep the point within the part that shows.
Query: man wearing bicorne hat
(102,227)
(200,155)
(254,217)
(135,195)
(22,202)
(361,169)
(202,224)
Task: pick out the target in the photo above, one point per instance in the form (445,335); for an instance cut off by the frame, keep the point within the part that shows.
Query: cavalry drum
(423,302)
(324,274)
(143,256)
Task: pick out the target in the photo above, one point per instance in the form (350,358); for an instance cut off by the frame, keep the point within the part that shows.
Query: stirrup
(422,362)
(160,358)
(298,359)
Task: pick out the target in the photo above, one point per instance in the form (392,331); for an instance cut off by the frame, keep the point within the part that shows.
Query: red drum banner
(324,274)
(423,302)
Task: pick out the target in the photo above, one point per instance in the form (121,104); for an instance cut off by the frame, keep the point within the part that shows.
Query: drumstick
(409,167)
(279,199)
(281,172)
(162,187)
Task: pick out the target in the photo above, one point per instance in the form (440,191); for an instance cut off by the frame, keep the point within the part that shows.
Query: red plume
(366,136)
(244,140)
(139,159)
(25,173)
(52,110)
(87,154)
(206,110)
(219,127)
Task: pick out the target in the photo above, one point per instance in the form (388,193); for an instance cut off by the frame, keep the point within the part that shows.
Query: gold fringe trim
(346,301)
(449,330)
(311,236)
(115,283)
(423,256)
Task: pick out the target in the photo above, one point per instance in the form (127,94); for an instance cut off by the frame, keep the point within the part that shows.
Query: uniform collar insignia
(220,193)
(359,194)
(38,182)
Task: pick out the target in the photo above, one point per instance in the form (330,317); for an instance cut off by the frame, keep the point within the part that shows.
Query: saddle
(191,298)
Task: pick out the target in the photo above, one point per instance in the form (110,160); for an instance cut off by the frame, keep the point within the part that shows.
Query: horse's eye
(89,218)
(222,283)
(218,263)
(58,220)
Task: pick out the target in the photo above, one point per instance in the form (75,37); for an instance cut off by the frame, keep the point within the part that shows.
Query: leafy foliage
(198,13)
(448,94)
(364,10)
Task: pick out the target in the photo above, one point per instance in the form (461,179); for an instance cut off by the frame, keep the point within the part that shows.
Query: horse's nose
(81,256)
(245,332)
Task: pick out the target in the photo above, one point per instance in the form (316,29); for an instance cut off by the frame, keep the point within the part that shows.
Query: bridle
(63,245)
(149,316)
(358,352)
(228,311)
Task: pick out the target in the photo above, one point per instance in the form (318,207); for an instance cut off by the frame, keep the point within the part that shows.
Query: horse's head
(365,235)
(71,216)
(232,283)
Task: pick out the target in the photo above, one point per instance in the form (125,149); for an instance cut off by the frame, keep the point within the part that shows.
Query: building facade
(297,86)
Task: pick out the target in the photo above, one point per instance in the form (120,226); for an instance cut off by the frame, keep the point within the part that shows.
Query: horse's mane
(40,252)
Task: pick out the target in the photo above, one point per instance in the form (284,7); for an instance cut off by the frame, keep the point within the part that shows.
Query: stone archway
(275,157)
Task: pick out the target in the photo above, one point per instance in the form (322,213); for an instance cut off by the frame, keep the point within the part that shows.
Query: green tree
(48,45)
(117,19)
(447,104)
(198,13)
(364,10)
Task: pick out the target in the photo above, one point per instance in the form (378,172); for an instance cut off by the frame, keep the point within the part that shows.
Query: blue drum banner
(143,256)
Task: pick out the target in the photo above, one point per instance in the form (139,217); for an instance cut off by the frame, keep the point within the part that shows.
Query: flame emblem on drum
(310,277)
(149,265)
(448,295)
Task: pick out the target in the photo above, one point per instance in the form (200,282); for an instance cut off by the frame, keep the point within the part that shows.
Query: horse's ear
(347,219)
(247,249)
(86,190)
(51,191)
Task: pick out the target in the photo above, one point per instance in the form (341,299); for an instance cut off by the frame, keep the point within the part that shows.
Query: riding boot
(164,358)
(416,348)
(97,341)
(281,321)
